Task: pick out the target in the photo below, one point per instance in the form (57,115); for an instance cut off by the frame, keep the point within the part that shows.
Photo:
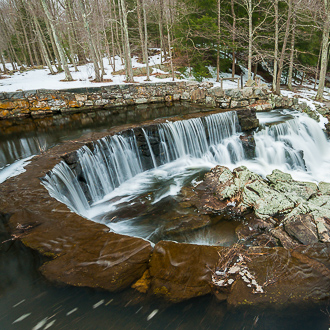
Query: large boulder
(247,119)
(279,276)
(182,271)
(265,201)
(112,263)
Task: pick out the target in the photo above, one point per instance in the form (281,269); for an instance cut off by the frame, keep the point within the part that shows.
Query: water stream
(121,187)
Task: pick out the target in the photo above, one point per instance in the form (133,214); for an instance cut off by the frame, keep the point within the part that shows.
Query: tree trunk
(170,48)
(64,62)
(138,9)
(285,41)
(128,57)
(233,67)
(218,42)
(161,33)
(250,39)
(255,71)
(79,49)
(5,70)
(146,39)
(92,49)
(276,44)
(293,35)
(41,42)
(26,40)
(112,39)
(325,47)
(57,60)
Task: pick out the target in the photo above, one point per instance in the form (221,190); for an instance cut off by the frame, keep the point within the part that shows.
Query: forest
(287,40)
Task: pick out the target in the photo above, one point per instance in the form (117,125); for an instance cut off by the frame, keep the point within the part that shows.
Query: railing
(240,81)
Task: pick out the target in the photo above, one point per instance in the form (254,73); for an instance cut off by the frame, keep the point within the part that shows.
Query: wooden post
(221,84)
(238,82)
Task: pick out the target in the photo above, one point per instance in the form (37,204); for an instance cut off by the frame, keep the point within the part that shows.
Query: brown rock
(285,277)
(286,241)
(143,284)
(302,228)
(182,271)
(113,263)
(247,119)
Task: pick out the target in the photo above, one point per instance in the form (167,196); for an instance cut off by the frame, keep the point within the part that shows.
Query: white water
(14,169)
(115,176)
(15,155)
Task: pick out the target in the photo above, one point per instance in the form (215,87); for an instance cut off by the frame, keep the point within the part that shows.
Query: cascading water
(15,154)
(114,181)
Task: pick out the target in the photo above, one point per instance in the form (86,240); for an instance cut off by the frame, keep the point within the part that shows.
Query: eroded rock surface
(302,208)
(182,271)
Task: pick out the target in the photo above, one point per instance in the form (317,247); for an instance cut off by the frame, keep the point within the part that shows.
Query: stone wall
(43,102)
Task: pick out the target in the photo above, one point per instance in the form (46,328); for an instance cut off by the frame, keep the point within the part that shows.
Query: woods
(284,40)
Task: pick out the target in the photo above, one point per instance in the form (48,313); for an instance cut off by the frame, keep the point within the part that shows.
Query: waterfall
(15,154)
(296,145)
(117,169)
(117,159)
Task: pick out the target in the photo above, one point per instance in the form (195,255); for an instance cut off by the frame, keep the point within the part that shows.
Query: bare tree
(127,47)
(325,48)
(98,76)
(64,61)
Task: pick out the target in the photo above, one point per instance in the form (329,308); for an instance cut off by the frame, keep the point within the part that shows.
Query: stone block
(239,104)
(141,100)
(168,98)
(217,91)
(89,103)
(185,96)
(81,97)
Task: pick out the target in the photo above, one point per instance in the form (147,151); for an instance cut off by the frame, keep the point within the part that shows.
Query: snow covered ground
(41,79)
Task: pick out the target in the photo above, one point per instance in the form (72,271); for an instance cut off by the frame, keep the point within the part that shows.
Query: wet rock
(249,145)
(264,239)
(303,228)
(186,223)
(71,158)
(112,263)
(143,284)
(286,241)
(247,119)
(182,271)
(283,277)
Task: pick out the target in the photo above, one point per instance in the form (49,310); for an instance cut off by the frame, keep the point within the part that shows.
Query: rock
(239,103)
(286,241)
(283,277)
(143,284)
(247,119)
(324,187)
(265,201)
(323,229)
(121,261)
(249,145)
(250,83)
(198,95)
(296,191)
(186,223)
(302,227)
(182,271)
